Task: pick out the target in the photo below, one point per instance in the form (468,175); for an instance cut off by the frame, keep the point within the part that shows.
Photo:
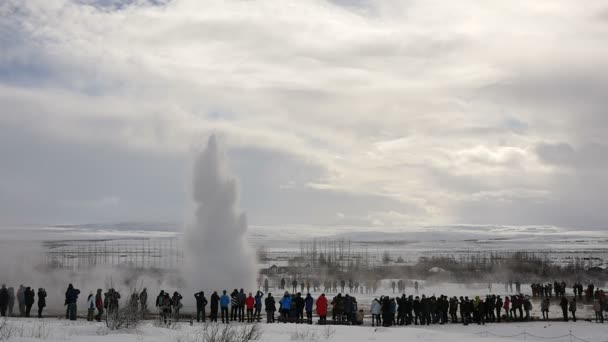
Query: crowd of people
(239,306)
(25,297)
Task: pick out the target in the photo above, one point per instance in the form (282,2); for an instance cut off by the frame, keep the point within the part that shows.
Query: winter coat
(258,300)
(250,302)
(322,306)
(544,305)
(71,295)
(348,304)
(507,303)
(91,301)
(201,301)
(498,304)
(573,306)
(3,297)
(215,300)
(270,304)
(99,301)
(308,303)
(177,300)
(143,297)
(242,297)
(299,301)
(41,298)
(225,301)
(29,297)
(286,302)
(597,306)
(376,307)
(234,298)
(20,294)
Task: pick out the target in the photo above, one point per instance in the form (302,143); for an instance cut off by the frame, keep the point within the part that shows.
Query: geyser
(216,253)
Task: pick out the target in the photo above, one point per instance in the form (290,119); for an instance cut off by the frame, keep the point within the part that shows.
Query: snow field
(52,329)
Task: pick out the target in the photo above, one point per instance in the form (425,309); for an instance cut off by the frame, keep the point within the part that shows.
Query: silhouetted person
(214,305)
(143,302)
(201,303)
(29,300)
(270,305)
(41,301)
(71,298)
(21,300)
(3,300)
(11,300)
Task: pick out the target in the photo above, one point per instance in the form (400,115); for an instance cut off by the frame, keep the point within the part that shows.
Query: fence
(138,253)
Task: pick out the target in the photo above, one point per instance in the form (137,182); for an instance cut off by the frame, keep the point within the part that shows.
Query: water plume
(216,253)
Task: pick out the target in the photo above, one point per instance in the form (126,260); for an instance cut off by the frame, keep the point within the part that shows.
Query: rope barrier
(526,334)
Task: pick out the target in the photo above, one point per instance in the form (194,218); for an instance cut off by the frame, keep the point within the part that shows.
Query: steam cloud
(216,253)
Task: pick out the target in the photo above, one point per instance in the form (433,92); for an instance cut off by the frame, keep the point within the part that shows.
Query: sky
(387,113)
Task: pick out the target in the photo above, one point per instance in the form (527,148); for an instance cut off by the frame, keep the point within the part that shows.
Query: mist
(216,253)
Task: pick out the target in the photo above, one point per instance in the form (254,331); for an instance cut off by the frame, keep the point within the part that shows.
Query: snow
(53,329)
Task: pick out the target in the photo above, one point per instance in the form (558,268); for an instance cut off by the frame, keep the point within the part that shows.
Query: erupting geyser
(217,255)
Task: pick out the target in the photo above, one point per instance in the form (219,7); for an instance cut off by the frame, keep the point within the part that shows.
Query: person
(11,300)
(463,310)
(112,301)
(21,300)
(322,309)
(282,283)
(348,308)
(159,302)
(258,305)
(308,304)
(234,305)
(225,302)
(177,304)
(214,306)
(250,304)
(165,307)
(201,303)
(99,305)
(359,318)
(527,307)
(573,308)
(29,299)
(270,305)
(499,304)
(41,301)
(544,307)
(564,305)
(3,300)
(90,307)
(242,297)
(71,298)
(294,285)
(299,304)
(285,305)
(143,302)
(597,307)
(134,301)
(376,310)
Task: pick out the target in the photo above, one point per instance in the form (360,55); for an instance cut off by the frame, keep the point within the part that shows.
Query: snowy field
(62,330)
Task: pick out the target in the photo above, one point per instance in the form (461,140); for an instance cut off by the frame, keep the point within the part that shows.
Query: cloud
(387,111)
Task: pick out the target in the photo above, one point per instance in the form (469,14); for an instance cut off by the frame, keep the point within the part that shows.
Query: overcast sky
(342,112)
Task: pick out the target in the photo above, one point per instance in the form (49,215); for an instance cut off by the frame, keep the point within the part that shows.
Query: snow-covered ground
(63,330)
